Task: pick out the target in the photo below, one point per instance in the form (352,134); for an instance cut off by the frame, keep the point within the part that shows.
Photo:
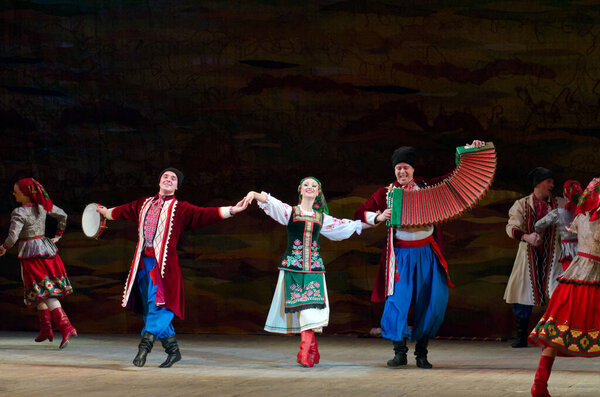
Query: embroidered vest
(302,254)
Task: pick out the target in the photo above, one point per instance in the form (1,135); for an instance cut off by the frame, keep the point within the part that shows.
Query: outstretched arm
(550,219)
(340,229)
(127,212)
(251,196)
(276,209)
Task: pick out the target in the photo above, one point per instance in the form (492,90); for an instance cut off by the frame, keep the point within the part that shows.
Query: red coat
(176,216)
(378,202)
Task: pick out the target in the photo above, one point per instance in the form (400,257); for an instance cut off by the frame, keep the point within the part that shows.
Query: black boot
(522,332)
(144,347)
(172,350)
(421,353)
(399,359)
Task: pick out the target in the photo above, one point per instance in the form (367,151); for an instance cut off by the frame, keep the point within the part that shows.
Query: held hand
(532,239)
(249,198)
(55,239)
(239,207)
(2,251)
(102,210)
(384,216)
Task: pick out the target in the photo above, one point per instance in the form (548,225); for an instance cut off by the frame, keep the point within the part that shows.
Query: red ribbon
(589,256)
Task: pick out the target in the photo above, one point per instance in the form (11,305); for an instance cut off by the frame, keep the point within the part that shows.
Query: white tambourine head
(91,221)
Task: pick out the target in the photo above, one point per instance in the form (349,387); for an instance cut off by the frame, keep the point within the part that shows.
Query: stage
(263,365)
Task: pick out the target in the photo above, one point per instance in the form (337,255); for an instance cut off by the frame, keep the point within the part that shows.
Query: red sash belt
(414,244)
(569,240)
(589,256)
(32,238)
(149,252)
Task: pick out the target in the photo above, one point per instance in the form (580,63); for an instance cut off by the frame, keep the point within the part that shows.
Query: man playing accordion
(412,270)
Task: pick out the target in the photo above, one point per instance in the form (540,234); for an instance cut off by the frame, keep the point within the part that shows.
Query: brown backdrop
(97,97)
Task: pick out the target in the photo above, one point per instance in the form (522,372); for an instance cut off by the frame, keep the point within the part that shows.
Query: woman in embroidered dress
(43,272)
(571,324)
(300,303)
(562,218)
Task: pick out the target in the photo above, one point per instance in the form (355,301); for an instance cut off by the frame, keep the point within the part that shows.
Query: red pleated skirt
(571,323)
(43,278)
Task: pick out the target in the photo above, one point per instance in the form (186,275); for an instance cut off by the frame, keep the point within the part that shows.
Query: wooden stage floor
(263,365)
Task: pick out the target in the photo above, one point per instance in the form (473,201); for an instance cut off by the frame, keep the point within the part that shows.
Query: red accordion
(462,190)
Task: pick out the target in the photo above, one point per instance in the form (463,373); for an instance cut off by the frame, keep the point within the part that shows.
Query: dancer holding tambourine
(44,276)
(155,272)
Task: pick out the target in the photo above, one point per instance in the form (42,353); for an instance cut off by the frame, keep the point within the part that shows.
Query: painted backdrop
(97,97)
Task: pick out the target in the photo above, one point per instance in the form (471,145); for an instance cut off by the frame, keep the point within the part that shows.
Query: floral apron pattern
(302,263)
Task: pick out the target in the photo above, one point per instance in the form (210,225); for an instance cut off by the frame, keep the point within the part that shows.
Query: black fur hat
(404,154)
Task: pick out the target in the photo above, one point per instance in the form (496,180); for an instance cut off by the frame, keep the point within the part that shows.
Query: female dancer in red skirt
(43,272)
(571,324)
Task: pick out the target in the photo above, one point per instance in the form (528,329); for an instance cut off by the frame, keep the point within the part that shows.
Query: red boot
(45,326)
(305,340)
(64,325)
(540,383)
(313,354)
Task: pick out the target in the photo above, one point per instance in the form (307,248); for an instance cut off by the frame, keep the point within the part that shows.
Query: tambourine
(92,223)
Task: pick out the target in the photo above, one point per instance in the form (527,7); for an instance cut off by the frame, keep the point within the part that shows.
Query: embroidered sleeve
(549,220)
(17,221)
(276,209)
(340,229)
(61,216)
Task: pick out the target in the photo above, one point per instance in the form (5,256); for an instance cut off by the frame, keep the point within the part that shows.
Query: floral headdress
(36,192)
(572,191)
(320,203)
(589,202)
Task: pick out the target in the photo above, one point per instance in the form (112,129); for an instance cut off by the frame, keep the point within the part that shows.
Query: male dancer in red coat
(155,271)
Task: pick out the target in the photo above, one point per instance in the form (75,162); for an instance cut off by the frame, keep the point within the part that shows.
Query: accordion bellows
(462,190)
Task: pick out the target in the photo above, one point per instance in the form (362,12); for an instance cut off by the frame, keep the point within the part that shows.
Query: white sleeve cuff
(225,212)
(109,214)
(370,217)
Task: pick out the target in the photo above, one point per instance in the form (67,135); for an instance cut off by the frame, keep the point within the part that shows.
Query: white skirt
(280,322)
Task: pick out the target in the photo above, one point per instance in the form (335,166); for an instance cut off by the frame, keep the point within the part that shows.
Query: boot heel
(60,318)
